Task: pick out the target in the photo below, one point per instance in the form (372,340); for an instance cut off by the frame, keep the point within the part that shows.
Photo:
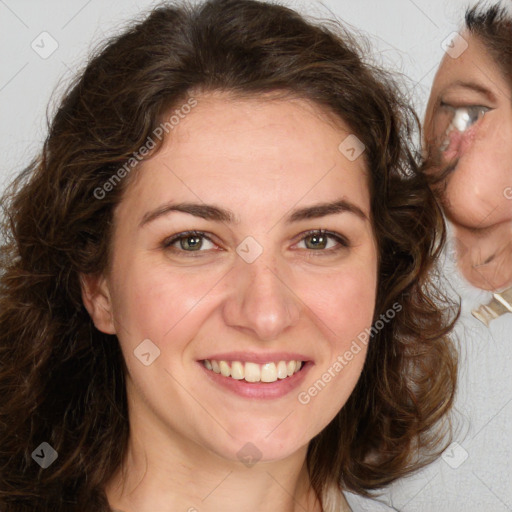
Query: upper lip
(257,357)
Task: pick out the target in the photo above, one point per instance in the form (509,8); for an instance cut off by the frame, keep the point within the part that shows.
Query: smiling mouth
(254,372)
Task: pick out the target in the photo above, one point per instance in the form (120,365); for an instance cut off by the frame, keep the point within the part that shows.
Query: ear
(97,301)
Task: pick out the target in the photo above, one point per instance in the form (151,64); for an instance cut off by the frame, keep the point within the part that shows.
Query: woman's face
(476,190)
(255,177)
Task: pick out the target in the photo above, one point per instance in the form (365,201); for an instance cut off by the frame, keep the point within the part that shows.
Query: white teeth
(268,372)
(237,370)
(281,370)
(224,368)
(254,372)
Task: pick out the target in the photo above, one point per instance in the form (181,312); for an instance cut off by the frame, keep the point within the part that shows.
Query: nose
(260,302)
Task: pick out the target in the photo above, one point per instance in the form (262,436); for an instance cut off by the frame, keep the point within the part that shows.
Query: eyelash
(482,109)
(462,105)
(341,240)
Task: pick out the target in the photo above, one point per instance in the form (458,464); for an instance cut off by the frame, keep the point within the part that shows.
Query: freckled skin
(260,159)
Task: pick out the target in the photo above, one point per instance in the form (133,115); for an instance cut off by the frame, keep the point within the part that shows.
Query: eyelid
(463,105)
(456,103)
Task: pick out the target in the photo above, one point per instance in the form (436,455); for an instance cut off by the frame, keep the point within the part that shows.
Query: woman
(216,290)
(468,127)
(468,133)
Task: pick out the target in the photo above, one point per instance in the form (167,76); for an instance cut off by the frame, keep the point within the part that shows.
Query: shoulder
(361,504)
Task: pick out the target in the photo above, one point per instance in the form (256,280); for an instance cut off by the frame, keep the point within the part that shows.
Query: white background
(407,35)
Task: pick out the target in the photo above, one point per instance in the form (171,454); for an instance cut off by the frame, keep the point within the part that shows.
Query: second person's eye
(465,117)
(462,119)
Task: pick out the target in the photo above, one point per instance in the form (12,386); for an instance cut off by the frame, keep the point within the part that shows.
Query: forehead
(256,120)
(474,68)
(252,156)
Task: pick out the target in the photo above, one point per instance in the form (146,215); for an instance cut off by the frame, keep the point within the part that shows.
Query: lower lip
(260,390)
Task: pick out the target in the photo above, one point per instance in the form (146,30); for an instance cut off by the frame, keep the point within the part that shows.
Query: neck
(165,471)
(484,256)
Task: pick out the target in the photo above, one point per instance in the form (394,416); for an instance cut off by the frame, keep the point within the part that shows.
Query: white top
(475,473)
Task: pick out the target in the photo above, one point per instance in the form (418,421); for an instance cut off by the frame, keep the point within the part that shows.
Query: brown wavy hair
(492,24)
(62,380)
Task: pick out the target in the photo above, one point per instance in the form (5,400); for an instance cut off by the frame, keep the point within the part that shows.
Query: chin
(472,210)
(261,445)
(265,450)
(467,214)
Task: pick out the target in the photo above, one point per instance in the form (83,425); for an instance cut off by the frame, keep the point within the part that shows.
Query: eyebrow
(472,86)
(211,212)
(322,209)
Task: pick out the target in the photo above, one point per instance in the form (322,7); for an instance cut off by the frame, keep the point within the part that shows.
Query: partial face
(219,260)
(469,124)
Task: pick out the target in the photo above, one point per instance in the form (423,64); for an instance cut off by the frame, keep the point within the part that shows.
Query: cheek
(342,307)
(345,303)
(152,301)
(475,194)
(342,300)
(343,314)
